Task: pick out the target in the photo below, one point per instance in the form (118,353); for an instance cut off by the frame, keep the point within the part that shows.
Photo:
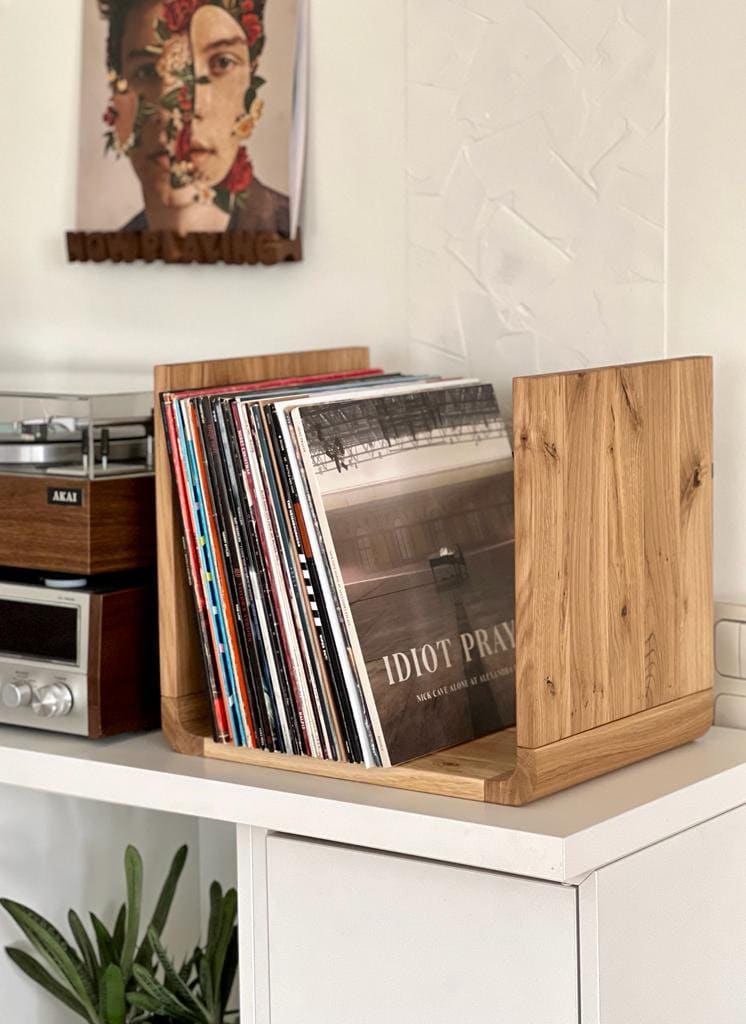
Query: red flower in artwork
(178,13)
(252,26)
(185,100)
(247,6)
(110,116)
(183,146)
(240,175)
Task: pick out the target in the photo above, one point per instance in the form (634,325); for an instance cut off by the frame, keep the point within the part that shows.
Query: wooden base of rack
(492,769)
(614,630)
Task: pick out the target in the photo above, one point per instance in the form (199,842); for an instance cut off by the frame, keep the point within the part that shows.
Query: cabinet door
(357,937)
(663,932)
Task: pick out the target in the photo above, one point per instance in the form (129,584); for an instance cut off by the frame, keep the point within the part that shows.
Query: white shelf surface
(560,838)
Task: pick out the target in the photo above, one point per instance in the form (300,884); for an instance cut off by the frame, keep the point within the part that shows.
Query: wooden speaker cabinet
(613,505)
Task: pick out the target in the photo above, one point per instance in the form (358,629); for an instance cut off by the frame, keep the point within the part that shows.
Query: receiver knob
(17,695)
(52,701)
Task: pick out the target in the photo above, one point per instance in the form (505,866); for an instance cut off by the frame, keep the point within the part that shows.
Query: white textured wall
(536,152)
(707,244)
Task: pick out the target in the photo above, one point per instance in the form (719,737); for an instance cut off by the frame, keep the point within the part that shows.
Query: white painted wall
(536,136)
(707,244)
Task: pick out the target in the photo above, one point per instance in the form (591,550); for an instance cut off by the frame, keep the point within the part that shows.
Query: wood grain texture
(695,555)
(542,581)
(663,601)
(587,755)
(462,771)
(112,530)
(585,477)
(180,657)
(626,555)
(613,543)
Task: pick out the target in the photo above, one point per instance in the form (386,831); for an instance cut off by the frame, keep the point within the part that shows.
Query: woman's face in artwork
(184,101)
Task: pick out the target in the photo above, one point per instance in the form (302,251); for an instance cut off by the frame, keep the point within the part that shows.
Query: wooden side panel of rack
(613,485)
(613,474)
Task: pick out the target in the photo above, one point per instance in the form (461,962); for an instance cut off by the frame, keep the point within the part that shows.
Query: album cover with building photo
(417,491)
(192,116)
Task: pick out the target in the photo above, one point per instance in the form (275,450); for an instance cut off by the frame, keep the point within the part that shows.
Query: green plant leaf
(186,968)
(154,1011)
(84,945)
(106,953)
(117,937)
(167,1002)
(213,924)
(34,970)
(174,983)
(163,905)
(171,99)
(111,996)
(228,915)
(54,948)
(230,968)
(205,982)
(162,30)
(257,81)
(133,874)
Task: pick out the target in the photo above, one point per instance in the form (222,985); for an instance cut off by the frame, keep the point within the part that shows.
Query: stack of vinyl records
(349,543)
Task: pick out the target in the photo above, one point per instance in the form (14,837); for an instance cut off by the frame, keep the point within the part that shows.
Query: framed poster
(192,129)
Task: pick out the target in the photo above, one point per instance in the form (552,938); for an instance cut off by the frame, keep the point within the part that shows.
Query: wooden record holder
(613,503)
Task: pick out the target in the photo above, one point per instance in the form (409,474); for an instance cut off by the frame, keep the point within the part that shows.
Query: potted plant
(119,976)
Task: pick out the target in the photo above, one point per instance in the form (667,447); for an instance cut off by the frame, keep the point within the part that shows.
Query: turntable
(77,490)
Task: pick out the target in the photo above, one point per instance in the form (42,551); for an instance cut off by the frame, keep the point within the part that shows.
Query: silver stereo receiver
(79,657)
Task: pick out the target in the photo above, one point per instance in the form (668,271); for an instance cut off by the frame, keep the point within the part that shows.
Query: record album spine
(219,716)
(312,584)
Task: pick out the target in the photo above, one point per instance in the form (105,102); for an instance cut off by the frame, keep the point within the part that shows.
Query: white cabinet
(621,901)
(359,937)
(663,932)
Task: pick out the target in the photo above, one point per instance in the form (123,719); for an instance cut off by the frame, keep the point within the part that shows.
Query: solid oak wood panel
(605,499)
(587,755)
(541,570)
(585,465)
(661,531)
(626,556)
(695,485)
(462,771)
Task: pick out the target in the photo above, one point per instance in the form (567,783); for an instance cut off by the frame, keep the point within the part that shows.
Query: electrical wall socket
(730,665)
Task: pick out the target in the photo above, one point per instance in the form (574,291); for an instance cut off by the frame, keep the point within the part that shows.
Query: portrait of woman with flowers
(185,102)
